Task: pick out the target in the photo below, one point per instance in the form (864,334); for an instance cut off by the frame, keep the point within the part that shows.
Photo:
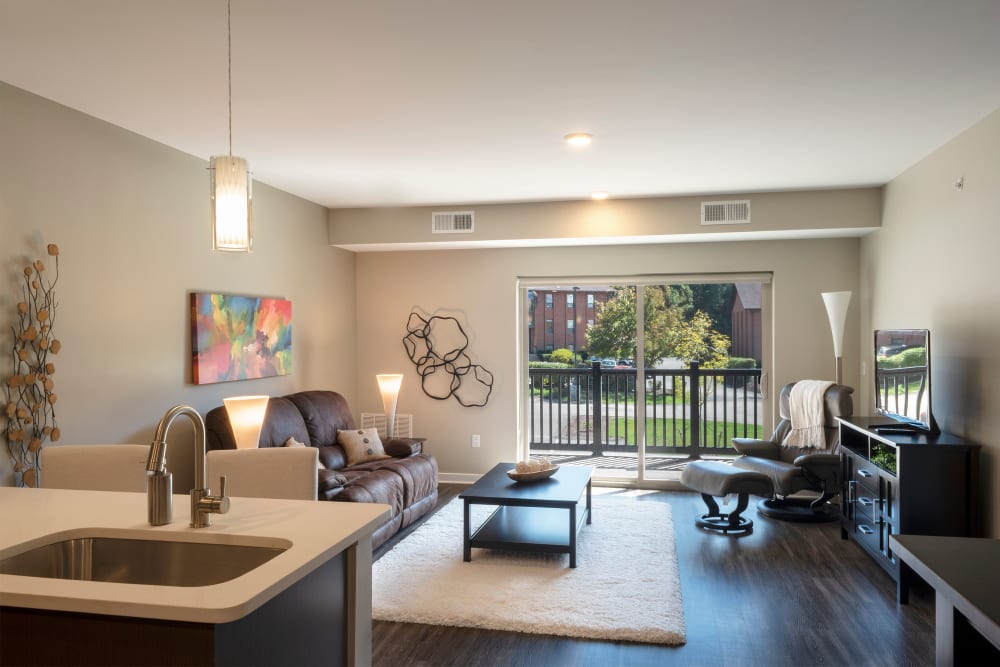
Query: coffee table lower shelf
(544,529)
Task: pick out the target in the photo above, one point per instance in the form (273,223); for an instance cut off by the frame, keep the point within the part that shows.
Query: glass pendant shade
(232,199)
(388,386)
(246,417)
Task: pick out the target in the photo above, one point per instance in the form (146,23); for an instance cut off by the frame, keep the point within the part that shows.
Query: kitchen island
(311,604)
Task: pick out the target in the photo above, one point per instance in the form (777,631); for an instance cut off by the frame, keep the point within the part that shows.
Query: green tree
(696,340)
(613,333)
(716,301)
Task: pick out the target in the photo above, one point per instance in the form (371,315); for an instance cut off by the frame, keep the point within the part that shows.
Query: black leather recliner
(793,469)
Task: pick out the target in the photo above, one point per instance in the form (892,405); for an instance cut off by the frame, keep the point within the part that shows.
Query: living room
(130,215)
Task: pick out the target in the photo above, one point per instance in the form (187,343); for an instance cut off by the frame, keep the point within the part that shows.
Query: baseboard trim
(458,478)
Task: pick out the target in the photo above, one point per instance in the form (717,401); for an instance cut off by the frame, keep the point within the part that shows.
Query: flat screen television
(903,379)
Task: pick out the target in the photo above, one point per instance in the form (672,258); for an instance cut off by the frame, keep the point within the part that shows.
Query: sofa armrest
(402,447)
(764,449)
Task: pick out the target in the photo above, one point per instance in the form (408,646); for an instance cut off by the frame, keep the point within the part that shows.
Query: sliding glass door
(636,377)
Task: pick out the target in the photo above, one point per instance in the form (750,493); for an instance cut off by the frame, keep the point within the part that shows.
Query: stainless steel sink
(139,561)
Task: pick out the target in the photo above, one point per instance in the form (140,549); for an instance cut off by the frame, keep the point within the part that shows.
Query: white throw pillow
(292,442)
(361,445)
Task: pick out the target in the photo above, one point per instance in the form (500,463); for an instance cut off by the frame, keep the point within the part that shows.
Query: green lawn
(677,432)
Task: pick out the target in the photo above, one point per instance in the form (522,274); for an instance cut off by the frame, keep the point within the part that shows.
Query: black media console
(904,483)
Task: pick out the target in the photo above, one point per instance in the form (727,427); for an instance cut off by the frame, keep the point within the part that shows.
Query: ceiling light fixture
(232,184)
(600,195)
(579,138)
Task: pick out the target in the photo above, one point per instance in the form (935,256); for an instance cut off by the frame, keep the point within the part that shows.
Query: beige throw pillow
(292,442)
(361,445)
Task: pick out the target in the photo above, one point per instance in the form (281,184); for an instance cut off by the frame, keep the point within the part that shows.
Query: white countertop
(317,531)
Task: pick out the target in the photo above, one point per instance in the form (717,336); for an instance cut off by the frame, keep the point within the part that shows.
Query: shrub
(562,356)
(742,362)
(912,358)
(547,364)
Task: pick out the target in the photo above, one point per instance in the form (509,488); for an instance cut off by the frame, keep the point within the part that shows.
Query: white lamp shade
(388,386)
(232,209)
(246,416)
(836,311)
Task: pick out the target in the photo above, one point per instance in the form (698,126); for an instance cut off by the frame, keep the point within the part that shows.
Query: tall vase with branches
(30,415)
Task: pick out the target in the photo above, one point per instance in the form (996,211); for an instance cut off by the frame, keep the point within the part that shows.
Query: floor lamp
(836,311)
(388,386)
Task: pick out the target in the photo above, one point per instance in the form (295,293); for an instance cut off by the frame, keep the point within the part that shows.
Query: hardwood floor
(788,594)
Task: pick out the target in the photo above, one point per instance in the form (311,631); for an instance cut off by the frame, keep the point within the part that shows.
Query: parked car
(608,363)
(889,350)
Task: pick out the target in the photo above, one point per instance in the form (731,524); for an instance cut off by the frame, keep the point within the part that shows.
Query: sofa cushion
(324,413)
(329,483)
(372,485)
(332,456)
(361,445)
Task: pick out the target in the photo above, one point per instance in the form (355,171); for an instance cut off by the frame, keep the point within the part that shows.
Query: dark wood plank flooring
(788,594)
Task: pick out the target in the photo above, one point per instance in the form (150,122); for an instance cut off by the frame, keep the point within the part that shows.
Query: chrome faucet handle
(204,505)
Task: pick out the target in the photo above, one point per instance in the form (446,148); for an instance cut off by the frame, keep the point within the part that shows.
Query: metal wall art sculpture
(437,347)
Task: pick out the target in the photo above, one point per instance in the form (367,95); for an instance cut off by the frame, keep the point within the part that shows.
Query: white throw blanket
(805,406)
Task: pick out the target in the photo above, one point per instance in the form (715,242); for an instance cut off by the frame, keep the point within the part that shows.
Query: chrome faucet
(159,482)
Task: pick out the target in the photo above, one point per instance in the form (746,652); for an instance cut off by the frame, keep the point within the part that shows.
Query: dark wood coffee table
(532,516)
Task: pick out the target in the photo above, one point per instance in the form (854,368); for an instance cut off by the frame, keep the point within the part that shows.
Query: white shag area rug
(625,586)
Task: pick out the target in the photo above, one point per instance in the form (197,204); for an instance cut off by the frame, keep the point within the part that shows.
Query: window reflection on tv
(902,377)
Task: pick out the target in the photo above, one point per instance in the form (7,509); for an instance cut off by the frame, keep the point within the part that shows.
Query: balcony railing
(689,411)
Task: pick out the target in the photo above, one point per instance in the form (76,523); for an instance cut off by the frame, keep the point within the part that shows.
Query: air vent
(725,212)
(459,222)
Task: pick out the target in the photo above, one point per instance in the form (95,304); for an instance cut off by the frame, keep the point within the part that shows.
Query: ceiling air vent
(459,222)
(725,212)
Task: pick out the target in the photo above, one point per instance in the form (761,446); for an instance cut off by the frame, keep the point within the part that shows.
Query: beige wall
(131,217)
(933,265)
(843,212)
(479,287)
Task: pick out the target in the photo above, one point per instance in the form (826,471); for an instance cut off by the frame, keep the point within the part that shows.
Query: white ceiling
(403,102)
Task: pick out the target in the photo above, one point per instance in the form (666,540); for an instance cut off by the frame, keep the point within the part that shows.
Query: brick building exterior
(559,318)
(746,321)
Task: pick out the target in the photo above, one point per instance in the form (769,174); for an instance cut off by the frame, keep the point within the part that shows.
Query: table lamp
(246,416)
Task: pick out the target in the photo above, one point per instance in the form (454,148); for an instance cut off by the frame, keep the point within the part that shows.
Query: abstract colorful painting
(239,337)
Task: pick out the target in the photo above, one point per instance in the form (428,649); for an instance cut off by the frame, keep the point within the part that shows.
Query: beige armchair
(804,478)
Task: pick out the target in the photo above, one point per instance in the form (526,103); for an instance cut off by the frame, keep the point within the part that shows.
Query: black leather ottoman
(711,478)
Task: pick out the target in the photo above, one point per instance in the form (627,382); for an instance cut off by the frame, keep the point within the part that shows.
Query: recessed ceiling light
(599,195)
(579,138)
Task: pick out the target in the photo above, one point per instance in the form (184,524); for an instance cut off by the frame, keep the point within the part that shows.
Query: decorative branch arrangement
(437,346)
(30,400)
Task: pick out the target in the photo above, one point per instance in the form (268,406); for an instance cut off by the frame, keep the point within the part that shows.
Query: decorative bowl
(533,476)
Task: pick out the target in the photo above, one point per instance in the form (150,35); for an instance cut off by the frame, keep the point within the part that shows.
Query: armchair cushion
(755,447)
(809,461)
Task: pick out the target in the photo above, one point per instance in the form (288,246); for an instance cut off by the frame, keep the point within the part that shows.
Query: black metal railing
(689,411)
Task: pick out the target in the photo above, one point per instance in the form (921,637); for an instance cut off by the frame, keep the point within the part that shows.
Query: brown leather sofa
(407,481)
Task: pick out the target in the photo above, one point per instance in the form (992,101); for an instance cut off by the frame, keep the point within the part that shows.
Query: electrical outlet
(475,440)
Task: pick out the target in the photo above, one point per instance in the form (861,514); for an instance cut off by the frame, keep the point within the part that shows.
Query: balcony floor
(624,463)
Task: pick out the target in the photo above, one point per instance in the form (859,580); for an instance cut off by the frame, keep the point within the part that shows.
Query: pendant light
(232,185)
